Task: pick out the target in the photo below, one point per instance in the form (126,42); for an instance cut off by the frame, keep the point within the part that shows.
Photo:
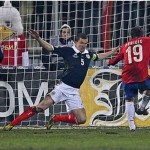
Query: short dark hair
(81,35)
(137,32)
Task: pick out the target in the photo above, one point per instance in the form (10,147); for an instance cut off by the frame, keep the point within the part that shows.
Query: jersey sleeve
(119,57)
(61,51)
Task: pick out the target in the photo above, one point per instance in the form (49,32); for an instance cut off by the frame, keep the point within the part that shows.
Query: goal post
(107,24)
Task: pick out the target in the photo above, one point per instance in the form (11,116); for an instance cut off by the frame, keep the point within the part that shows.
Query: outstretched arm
(43,43)
(107,54)
(113,61)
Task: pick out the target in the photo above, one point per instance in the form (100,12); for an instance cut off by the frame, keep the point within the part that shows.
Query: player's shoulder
(62,47)
(91,54)
(146,38)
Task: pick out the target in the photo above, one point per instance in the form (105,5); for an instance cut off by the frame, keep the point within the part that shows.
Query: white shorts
(71,96)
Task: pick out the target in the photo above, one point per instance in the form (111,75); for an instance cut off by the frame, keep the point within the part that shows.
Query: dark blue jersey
(76,64)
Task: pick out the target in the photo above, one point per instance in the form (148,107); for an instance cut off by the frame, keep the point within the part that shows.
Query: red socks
(68,118)
(25,115)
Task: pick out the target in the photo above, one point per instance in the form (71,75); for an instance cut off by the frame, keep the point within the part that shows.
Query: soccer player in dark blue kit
(77,60)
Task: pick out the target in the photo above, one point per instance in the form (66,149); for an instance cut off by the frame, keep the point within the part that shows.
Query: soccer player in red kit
(136,55)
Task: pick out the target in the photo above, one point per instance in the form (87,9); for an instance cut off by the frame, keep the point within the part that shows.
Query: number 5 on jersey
(82,61)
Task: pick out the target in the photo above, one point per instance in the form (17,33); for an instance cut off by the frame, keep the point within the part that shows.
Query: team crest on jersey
(75,55)
(87,56)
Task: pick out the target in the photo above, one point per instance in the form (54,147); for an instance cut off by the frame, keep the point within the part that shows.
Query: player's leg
(130,111)
(59,94)
(144,86)
(131,91)
(80,115)
(75,108)
(77,116)
(144,102)
(44,104)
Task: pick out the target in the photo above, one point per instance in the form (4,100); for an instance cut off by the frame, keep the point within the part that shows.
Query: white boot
(132,126)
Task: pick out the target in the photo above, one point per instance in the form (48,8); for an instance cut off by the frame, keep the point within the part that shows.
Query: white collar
(77,51)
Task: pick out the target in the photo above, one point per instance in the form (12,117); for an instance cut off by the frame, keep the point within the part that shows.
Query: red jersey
(13,49)
(136,55)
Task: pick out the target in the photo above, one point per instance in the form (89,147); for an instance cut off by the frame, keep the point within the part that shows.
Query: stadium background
(107,23)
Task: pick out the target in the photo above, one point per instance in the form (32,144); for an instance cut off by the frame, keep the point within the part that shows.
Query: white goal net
(107,23)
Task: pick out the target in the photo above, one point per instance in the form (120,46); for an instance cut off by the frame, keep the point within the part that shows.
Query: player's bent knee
(81,120)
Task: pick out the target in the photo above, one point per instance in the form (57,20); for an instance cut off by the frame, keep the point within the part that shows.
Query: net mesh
(107,23)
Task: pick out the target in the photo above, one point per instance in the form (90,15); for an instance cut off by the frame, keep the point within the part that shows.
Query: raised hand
(33,33)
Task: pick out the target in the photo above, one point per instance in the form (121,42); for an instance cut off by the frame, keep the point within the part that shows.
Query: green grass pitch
(75,139)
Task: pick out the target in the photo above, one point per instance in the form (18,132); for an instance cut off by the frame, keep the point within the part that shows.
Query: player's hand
(116,49)
(33,33)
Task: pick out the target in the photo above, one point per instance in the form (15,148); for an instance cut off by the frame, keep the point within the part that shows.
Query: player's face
(65,33)
(81,44)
